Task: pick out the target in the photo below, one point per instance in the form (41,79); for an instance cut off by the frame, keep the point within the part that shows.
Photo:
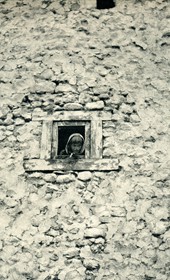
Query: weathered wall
(58,55)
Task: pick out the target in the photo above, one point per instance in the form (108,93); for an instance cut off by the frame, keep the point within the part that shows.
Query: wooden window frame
(93,136)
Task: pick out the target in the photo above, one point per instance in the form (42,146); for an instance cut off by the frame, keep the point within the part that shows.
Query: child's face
(76,148)
(76,145)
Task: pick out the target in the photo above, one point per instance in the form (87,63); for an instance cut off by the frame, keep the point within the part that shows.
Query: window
(58,128)
(62,131)
(105,4)
(65,132)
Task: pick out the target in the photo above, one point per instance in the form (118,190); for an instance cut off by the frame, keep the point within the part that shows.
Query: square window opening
(68,135)
(71,139)
(105,4)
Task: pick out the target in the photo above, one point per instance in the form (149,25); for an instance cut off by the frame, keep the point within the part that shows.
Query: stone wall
(60,55)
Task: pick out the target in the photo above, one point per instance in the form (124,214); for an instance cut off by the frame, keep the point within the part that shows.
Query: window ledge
(71,164)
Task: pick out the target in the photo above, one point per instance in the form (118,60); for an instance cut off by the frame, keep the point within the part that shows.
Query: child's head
(75,144)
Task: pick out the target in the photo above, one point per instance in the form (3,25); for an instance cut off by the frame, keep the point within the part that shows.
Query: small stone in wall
(4,220)
(126,109)
(65,88)
(50,178)
(85,176)
(71,253)
(98,105)
(65,178)
(159,228)
(94,233)
(2,136)
(93,221)
(43,86)
(47,74)
(134,118)
(27,116)
(72,275)
(130,99)
(91,264)
(118,212)
(73,106)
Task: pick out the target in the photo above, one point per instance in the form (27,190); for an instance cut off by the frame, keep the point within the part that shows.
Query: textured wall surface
(59,55)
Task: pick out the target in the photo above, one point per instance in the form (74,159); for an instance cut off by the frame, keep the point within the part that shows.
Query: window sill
(71,164)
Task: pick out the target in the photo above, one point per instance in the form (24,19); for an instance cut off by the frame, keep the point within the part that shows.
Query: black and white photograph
(84,140)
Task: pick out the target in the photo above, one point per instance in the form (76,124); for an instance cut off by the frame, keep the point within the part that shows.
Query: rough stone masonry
(65,55)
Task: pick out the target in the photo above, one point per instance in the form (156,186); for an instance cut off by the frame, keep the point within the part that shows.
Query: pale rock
(27,116)
(4,110)
(17,112)
(15,276)
(43,86)
(93,221)
(166,236)
(91,264)
(85,176)
(44,261)
(33,148)
(24,267)
(85,252)
(38,112)
(65,88)
(21,224)
(8,133)
(94,233)
(36,175)
(98,105)
(33,197)
(8,250)
(47,74)
(72,275)
(71,253)
(2,135)
(118,211)
(89,4)
(130,99)
(11,127)
(104,96)
(50,178)
(84,98)
(101,70)
(10,202)
(118,257)
(9,120)
(4,220)
(44,226)
(99,209)
(160,84)
(104,219)
(126,109)
(99,240)
(134,118)
(51,187)
(159,227)
(117,117)
(65,178)
(73,106)
(117,99)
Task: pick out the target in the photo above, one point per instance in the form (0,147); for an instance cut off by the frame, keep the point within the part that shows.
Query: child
(74,147)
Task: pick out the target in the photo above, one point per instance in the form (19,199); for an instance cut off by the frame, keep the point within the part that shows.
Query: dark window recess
(64,133)
(105,4)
